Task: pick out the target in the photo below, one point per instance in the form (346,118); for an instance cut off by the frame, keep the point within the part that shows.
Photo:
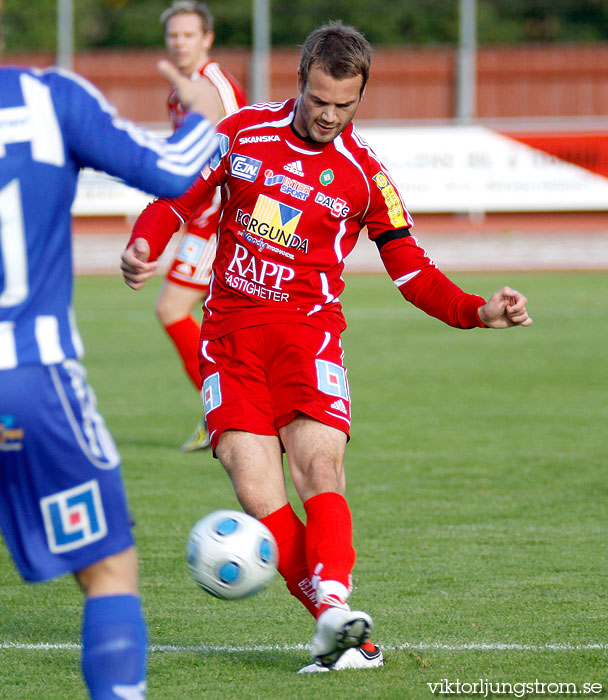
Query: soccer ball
(231,555)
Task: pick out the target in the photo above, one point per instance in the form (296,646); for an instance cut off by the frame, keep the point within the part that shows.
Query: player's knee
(320,475)
(164,310)
(173,307)
(257,499)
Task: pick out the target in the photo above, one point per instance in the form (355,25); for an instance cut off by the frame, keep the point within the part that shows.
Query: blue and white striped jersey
(52,124)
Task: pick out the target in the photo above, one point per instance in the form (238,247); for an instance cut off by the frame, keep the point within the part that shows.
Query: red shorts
(191,266)
(258,379)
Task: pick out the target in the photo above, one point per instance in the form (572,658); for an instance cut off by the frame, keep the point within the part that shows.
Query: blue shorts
(62,501)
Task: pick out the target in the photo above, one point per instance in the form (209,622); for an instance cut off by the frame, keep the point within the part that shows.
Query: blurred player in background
(189,37)
(298,186)
(62,502)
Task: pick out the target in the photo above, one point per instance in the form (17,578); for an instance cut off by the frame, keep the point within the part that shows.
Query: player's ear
(363,88)
(208,41)
(300,82)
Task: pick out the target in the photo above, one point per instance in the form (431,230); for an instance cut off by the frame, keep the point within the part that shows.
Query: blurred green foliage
(29,26)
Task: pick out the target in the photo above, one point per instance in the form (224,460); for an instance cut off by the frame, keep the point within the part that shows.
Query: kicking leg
(114,635)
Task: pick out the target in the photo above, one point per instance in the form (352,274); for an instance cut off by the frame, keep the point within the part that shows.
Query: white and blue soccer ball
(231,555)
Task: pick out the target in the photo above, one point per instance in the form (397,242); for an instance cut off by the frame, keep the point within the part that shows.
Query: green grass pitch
(477,481)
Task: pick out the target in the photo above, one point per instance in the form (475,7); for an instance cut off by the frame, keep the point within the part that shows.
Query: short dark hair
(189,7)
(338,49)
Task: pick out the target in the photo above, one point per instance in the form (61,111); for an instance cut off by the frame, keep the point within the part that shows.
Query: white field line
(421,646)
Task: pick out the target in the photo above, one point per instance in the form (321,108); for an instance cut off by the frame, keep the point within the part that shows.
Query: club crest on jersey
(393,203)
(244,167)
(288,185)
(336,205)
(326,177)
(275,222)
(11,436)
(74,518)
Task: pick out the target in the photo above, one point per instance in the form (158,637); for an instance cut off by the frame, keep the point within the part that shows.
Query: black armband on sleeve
(392,235)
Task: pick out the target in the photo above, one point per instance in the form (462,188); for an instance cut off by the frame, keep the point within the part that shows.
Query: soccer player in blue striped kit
(62,502)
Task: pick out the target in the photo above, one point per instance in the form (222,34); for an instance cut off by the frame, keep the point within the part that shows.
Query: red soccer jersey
(291,212)
(205,218)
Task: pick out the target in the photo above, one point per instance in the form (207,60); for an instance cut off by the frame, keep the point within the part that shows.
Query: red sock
(290,534)
(185,335)
(329,539)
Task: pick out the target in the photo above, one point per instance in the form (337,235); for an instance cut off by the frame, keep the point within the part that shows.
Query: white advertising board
(437,169)
(99,194)
(474,169)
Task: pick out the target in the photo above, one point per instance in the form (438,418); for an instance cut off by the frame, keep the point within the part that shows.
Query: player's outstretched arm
(505,308)
(136,270)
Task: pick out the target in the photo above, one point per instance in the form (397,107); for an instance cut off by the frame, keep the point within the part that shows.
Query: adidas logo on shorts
(184,268)
(295,168)
(339,406)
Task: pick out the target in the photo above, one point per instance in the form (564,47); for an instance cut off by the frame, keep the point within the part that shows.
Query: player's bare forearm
(505,308)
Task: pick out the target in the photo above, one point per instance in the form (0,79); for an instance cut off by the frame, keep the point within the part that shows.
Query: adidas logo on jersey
(295,168)
(339,406)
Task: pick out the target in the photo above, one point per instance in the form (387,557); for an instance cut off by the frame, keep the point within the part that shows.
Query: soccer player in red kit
(189,37)
(298,185)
